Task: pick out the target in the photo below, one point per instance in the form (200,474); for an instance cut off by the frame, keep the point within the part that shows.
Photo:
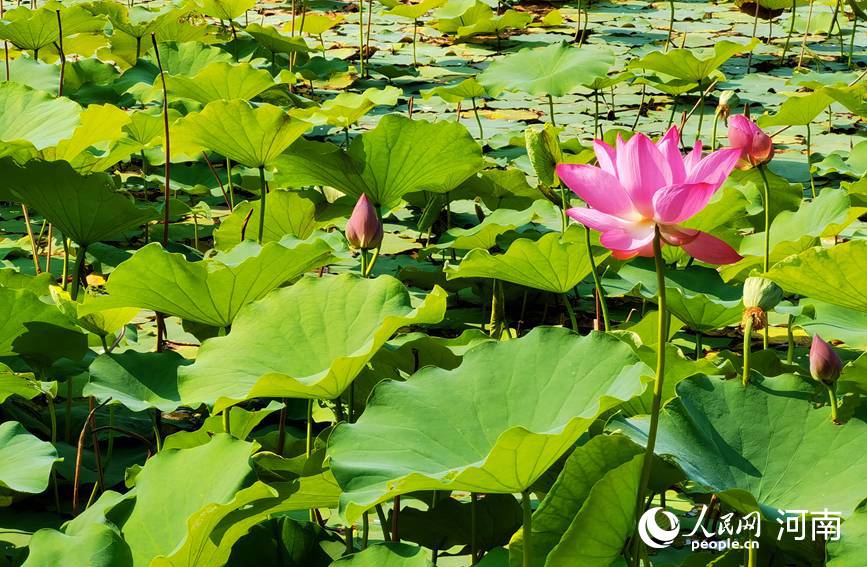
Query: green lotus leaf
(798,110)
(468,88)
(555,262)
(165,482)
(833,322)
(22,313)
(850,549)
(25,460)
(554,70)
(288,213)
(788,458)
(96,545)
(834,275)
(414,11)
(34,29)
(101,124)
(484,235)
(544,151)
(336,323)
(691,65)
(220,81)
(34,120)
(316,23)
(214,290)
(457,13)
(137,21)
(697,296)
(35,74)
(251,136)
(138,380)
(552,385)
(386,163)
(499,189)
(93,313)
(599,479)
(224,9)
(387,555)
(242,422)
(85,208)
(510,19)
(275,42)
(346,108)
(22,384)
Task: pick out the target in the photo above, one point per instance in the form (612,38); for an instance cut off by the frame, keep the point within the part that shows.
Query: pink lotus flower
(364,229)
(756,147)
(641,185)
(825,365)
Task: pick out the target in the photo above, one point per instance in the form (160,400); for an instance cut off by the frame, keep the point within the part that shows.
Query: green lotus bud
(762,293)
(543,149)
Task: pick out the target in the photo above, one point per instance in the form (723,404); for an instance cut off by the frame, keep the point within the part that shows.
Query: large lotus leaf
(34,119)
(100,124)
(35,29)
(346,108)
(138,380)
(235,129)
(468,88)
(457,13)
(184,481)
(833,322)
(762,445)
(24,385)
(220,81)
(85,208)
(288,213)
(213,530)
(22,313)
(850,549)
(414,11)
(835,274)
(211,291)
(689,64)
(798,110)
(397,157)
(96,545)
(554,70)
(25,460)
(309,340)
(484,235)
(93,313)
(493,424)
(510,19)
(185,59)
(696,296)
(272,40)
(225,9)
(554,263)
(387,555)
(599,480)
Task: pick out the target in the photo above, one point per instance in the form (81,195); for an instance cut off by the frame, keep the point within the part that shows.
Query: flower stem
(790,351)
(832,398)
(670,25)
(528,528)
(76,272)
(571,311)
(791,30)
(551,109)
(360,38)
(748,332)
(478,121)
(810,165)
(662,336)
(766,198)
(263,190)
(596,281)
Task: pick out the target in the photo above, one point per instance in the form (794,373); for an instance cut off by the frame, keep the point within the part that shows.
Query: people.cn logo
(654,535)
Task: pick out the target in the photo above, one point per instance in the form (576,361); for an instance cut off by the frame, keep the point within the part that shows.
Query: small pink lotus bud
(825,365)
(756,147)
(364,229)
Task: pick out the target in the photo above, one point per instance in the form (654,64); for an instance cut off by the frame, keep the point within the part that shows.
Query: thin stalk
(669,41)
(263,190)
(414,32)
(700,109)
(748,332)
(30,236)
(752,557)
(474,543)
(790,336)
(110,448)
(597,283)
(766,199)
(810,164)
(227,420)
(369,24)
(527,532)
(836,22)
(365,530)
(48,250)
(564,222)
(806,33)
(158,438)
(699,350)
(231,185)
(478,120)
(61,52)
(360,38)
(395,513)
(832,399)
(65,261)
(551,109)
(281,428)
(851,42)
(596,114)
(571,311)
(166,144)
(755,27)
(76,272)
(67,435)
(662,336)
(673,110)
(791,31)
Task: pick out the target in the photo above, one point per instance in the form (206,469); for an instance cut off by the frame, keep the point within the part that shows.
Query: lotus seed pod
(762,293)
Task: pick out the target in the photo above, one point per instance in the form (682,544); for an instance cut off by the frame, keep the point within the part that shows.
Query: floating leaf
(336,324)
(549,386)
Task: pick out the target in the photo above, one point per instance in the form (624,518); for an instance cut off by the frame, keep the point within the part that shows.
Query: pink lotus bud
(756,147)
(825,365)
(364,229)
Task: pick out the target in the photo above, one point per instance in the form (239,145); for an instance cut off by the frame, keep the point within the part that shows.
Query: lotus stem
(661,339)
(231,185)
(670,40)
(76,272)
(263,191)
(766,200)
(360,38)
(61,53)
(713,132)
(227,420)
(551,110)
(810,164)
(752,557)
(596,114)
(32,239)
(527,532)
(835,22)
(791,31)
(699,350)
(158,437)
(832,399)
(478,120)
(571,311)
(594,271)
(395,513)
(701,96)
(166,143)
(806,33)
(414,33)
(755,27)
(790,351)
(495,327)
(369,24)
(474,544)
(748,332)
(365,530)
(848,62)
